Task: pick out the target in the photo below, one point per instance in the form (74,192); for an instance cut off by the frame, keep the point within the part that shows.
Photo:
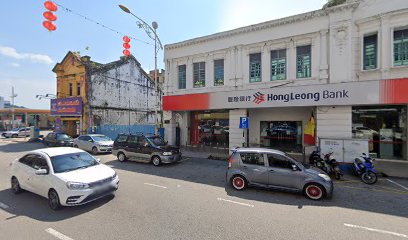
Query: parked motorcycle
(328,164)
(364,167)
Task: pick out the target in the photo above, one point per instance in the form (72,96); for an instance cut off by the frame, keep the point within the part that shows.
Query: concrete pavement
(190,200)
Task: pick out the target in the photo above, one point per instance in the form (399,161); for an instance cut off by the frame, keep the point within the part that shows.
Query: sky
(28,51)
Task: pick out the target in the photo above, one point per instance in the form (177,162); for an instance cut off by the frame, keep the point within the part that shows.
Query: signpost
(244,123)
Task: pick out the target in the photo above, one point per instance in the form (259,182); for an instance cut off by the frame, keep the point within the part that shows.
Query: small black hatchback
(145,148)
(55,139)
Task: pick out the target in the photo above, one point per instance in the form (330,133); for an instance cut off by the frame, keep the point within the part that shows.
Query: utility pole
(156,128)
(12,106)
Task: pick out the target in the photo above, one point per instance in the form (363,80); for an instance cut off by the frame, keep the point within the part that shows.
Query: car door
(145,148)
(22,171)
(132,147)
(253,165)
(51,139)
(87,143)
(281,173)
(40,184)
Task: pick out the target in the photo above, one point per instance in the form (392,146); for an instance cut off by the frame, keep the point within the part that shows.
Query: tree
(332,3)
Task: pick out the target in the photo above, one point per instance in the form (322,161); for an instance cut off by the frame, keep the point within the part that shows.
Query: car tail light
(230,161)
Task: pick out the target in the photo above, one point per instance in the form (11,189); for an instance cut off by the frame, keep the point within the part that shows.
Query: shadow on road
(33,206)
(353,195)
(13,147)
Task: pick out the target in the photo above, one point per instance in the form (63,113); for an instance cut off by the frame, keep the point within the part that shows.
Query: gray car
(275,169)
(95,143)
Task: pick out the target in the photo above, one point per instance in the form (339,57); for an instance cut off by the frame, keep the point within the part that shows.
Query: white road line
(239,203)
(4,206)
(57,234)
(154,185)
(376,230)
(389,180)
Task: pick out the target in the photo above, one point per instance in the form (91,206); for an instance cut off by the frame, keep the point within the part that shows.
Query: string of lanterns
(126,45)
(50,16)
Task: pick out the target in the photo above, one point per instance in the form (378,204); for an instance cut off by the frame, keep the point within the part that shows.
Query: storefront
(68,113)
(210,128)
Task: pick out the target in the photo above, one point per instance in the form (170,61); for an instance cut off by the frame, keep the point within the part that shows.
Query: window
(182,77)
(27,160)
(121,139)
(51,136)
(199,75)
(255,69)
(303,62)
(401,47)
(278,161)
(72,161)
(133,140)
(281,135)
(78,89)
(141,140)
(70,90)
(82,138)
(278,64)
(370,52)
(252,158)
(219,72)
(40,163)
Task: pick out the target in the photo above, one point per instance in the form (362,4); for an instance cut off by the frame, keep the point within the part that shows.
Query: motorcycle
(328,164)
(364,167)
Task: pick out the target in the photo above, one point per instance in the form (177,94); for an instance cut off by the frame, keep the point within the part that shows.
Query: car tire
(122,157)
(15,186)
(94,150)
(156,161)
(14,136)
(314,191)
(53,200)
(238,182)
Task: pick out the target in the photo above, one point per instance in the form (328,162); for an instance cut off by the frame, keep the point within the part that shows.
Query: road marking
(154,185)
(4,206)
(57,234)
(378,190)
(389,180)
(376,230)
(239,203)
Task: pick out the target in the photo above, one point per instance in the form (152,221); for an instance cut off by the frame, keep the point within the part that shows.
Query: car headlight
(167,153)
(115,176)
(325,177)
(77,185)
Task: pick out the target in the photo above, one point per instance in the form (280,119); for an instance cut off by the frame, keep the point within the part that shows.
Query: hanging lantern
(126,39)
(49,25)
(126,52)
(50,6)
(126,45)
(50,16)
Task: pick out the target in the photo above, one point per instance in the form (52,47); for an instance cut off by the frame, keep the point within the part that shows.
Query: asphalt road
(190,200)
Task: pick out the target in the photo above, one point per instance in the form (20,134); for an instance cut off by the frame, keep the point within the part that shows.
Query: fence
(112,131)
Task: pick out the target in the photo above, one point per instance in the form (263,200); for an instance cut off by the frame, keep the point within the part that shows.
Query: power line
(98,23)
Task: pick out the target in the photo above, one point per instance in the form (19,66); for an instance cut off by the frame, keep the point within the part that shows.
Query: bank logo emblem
(259,98)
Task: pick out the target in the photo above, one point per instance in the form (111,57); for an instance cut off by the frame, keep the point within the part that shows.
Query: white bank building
(346,64)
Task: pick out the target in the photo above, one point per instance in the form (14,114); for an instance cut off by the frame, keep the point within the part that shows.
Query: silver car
(275,169)
(95,143)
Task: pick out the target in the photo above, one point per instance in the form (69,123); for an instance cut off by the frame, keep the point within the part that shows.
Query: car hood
(87,175)
(313,171)
(169,148)
(105,142)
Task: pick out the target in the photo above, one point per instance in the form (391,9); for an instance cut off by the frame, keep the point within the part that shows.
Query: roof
(56,151)
(25,110)
(263,150)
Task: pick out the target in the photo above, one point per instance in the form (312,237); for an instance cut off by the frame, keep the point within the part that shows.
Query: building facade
(91,95)
(346,65)
(24,117)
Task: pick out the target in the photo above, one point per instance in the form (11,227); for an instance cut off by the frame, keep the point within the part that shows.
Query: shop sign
(66,106)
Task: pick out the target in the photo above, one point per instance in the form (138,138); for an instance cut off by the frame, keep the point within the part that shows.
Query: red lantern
(126,45)
(49,5)
(50,16)
(126,52)
(49,25)
(126,39)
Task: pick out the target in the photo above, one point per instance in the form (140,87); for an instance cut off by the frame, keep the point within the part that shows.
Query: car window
(82,138)
(157,141)
(141,140)
(252,158)
(72,161)
(122,139)
(63,137)
(39,163)
(27,160)
(51,136)
(279,161)
(132,140)
(87,138)
(101,138)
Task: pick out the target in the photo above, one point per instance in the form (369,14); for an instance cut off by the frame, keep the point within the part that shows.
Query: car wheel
(238,182)
(314,191)
(53,200)
(94,151)
(156,161)
(122,157)
(15,186)
(14,136)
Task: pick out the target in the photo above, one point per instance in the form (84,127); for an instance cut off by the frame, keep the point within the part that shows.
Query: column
(324,67)
(237,136)
(266,63)
(291,60)
(170,127)
(189,74)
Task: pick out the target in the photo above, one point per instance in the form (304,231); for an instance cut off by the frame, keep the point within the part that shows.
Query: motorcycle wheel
(337,173)
(369,177)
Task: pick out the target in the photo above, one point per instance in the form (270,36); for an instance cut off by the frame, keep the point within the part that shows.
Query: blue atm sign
(244,122)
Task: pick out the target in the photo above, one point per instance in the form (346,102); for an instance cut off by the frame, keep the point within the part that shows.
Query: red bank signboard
(66,106)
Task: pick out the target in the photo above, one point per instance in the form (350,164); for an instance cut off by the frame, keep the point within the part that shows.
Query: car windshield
(101,138)
(158,141)
(72,161)
(63,137)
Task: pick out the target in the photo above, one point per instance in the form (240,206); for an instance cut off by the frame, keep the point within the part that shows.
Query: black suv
(55,139)
(146,148)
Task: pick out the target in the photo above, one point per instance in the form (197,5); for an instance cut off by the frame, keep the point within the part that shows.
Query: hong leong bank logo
(259,98)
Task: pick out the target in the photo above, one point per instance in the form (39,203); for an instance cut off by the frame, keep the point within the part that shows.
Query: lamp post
(13,95)
(151,33)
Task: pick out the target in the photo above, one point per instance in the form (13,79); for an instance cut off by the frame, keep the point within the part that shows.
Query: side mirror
(146,144)
(98,160)
(41,171)
(294,167)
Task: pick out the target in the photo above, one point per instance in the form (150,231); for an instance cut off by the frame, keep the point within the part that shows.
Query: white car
(66,176)
(17,132)
(95,143)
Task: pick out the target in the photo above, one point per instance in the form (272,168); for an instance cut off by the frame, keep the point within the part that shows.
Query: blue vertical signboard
(244,122)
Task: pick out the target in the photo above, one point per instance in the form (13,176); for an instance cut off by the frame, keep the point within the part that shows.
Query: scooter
(332,166)
(364,167)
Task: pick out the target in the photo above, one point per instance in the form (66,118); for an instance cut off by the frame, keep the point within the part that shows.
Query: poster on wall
(332,145)
(66,106)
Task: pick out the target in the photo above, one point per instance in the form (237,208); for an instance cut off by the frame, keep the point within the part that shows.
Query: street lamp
(151,33)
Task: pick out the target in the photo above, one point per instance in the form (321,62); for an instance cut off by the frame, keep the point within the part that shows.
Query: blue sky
(28,52)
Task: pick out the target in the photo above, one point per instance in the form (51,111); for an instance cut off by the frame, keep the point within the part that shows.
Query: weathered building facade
(91,95)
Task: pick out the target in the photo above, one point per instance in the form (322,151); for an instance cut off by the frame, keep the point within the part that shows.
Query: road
(190,200)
